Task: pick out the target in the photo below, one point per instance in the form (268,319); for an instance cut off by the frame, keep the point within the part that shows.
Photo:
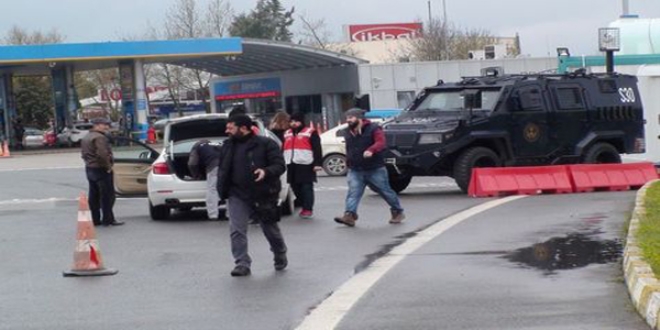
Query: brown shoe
(348,219)
(397,217)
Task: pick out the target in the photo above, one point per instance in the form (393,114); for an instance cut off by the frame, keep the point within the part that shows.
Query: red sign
(258,95)
(378,32)
(115,94)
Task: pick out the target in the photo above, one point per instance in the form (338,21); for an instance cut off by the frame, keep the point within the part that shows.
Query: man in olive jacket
(249,179)
(97,154)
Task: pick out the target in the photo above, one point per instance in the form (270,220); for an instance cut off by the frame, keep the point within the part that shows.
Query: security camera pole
(609,41)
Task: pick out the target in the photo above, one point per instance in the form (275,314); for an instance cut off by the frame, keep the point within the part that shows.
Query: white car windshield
(452,100)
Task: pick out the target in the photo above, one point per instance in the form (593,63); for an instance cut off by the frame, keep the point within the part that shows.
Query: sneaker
(240,271)
(397,217)
(306,214)
(281,261)
(348,219)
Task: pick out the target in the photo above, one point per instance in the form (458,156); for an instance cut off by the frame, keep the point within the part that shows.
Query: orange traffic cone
(87,255)
(6,153)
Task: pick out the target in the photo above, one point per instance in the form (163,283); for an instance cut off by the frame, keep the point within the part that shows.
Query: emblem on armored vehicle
(532,132)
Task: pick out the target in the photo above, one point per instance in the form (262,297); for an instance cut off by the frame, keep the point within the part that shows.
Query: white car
(71,136)
(33,137)
(164,176)
(334,151)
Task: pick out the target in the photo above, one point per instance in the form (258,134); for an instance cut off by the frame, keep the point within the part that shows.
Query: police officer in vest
(365,143)
(303,156)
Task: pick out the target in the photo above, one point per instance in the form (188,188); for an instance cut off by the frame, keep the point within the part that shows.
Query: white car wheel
(335,165)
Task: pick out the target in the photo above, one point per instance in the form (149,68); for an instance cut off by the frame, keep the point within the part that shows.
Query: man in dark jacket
(19,133)
(249,178)
(97,154)
(203,164)
(304,157)
(365,142)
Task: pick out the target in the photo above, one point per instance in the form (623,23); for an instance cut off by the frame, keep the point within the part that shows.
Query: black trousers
(304,194)
(101,195)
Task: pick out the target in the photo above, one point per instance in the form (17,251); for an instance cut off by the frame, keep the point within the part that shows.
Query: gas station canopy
(225,56)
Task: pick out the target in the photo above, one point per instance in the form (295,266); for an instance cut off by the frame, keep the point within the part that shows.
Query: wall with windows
(395,85)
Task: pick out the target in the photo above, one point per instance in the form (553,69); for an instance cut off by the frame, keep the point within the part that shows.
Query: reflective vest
(298,148)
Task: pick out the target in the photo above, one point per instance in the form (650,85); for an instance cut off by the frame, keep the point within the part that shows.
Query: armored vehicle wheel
(474,157)
(399,182)
(601,153)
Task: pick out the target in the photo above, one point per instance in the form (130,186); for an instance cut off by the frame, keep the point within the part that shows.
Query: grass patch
(648,235)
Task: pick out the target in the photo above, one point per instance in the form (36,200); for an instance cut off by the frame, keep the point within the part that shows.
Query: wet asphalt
(175,274)
(547,262)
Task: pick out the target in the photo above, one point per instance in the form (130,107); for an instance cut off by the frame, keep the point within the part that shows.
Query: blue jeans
(377,180)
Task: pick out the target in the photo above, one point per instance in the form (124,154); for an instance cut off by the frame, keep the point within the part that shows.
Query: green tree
(269,20)
(34,100)
(33,95)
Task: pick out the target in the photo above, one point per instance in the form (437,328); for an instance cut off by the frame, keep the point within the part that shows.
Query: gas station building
(308,79)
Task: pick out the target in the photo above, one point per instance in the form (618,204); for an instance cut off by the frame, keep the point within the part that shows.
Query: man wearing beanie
(303,157)
(249,179)
(365,143)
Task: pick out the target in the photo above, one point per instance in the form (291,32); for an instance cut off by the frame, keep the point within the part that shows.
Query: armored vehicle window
(528,98)
(452,100)
(607,85)
(569,98)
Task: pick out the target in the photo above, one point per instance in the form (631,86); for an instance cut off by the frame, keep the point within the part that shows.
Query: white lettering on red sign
(361,33)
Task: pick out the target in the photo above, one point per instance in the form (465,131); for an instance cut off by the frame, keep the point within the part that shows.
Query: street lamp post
(609,41)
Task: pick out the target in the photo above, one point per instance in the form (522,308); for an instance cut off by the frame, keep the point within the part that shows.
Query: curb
(643,286)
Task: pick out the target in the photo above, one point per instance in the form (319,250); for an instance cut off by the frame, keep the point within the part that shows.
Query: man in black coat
(249,179)
(203,164)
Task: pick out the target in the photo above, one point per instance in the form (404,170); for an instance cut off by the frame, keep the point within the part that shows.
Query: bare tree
(314,32)
(106,80)
(184,20)
(218,18)
(445,41)
(19,36)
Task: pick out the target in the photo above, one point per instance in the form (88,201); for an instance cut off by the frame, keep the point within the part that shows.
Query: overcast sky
(543,25)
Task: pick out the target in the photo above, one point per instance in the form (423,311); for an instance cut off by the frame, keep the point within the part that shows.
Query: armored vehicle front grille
(400,139)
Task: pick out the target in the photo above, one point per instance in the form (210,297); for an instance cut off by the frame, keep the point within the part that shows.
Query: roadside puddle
(575,250)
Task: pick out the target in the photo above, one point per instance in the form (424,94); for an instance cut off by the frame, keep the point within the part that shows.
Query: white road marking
(53,200)
(412,186)
(36,201)
(332,310)
(41,169)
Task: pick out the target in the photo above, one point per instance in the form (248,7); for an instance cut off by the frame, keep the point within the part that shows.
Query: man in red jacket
(365,143)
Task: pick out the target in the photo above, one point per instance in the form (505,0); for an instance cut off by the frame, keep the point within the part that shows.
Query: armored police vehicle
(514,120)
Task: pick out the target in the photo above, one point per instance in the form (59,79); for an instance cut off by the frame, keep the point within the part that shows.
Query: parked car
(71,136)
(164,176)
(33,138)
(334,151)
(382,114)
